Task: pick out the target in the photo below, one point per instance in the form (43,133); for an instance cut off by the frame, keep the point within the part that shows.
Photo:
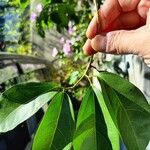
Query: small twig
(88,79)
(97,69)
(84,74)
(97,15)
(91,59)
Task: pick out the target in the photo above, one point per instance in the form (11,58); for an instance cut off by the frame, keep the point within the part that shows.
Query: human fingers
(146,54)
(129,20)
(123,42)
(125,21)
(143,8)
(87,49)
(110,14)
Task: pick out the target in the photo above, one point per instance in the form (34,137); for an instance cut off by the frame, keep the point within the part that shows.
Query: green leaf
(12,114)
(129,110)
(57,127)
(112,130)
(68,147)
(73,77)
(24,93)
(91,130)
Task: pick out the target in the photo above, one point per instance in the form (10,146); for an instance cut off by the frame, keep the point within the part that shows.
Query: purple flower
(70,31)
(33,17)
(67,49)
(39,7)
(54,52)
(72,28)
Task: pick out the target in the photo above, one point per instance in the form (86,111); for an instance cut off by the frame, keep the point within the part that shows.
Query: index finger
(109,11)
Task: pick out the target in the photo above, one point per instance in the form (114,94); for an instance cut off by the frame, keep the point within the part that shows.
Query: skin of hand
(124,29)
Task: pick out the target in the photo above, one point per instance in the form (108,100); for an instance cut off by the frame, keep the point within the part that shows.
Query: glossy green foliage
(113,133)
(13,103)
(24,93)
(57,127)
(91,130)
(14,113)
(117,108)
(129,110)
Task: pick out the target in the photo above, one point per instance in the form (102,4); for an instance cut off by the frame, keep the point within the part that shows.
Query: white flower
(39,7)
(54,52)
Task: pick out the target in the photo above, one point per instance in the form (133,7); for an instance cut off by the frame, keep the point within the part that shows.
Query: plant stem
(97,15)
(91,58)
(88,79)
(84,74)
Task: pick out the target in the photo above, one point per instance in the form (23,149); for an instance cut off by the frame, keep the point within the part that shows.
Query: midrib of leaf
(96,132)
(69,113)
(110,111)
(126,116)
(107,118)
(71,107)
(62,134)
(114,92)
(57,121)
(94,120)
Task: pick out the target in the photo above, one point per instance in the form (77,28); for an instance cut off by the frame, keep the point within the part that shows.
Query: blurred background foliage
(15,35)
(70,18)
(58,24)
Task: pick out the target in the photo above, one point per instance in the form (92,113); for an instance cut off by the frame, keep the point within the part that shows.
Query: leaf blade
(26,92)
(12,114)
(112,130)
(130,114)
(90,124)
(130,90)
(53,131)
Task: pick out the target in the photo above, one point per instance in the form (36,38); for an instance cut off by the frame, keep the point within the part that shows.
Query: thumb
(118,42)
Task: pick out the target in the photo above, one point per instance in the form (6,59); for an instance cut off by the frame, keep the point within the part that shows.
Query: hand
(125,29)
